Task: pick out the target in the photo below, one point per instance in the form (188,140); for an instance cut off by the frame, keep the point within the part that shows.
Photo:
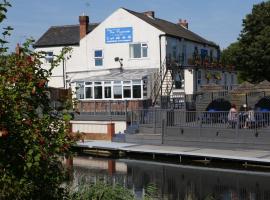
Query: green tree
(228,56)
(32,137)
(251,54)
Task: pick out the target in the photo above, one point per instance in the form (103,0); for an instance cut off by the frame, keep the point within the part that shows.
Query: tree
(228,55)
(251,54)
(32,137)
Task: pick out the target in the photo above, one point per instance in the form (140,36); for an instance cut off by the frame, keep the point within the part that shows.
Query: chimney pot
(150,14)
(18,49)
(183,23)
(84,22)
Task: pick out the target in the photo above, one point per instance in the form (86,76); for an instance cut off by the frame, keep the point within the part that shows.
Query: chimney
(84,21)
(18,49)
(183,23)
(150,14)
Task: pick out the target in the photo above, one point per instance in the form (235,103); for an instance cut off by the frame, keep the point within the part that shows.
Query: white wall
(81,64)
(56,79)
(189,81)
(97,126)
(83,57)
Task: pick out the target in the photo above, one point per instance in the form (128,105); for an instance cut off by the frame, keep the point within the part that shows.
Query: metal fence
(194,119)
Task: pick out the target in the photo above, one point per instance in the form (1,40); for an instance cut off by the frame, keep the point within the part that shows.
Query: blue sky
(216,20)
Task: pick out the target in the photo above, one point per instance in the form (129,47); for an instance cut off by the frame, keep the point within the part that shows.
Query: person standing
(232,116)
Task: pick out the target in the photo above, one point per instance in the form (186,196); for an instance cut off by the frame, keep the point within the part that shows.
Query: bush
(32,140)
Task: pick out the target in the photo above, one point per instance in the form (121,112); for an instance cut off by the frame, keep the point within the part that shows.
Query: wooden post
(155,120)
(94,107)
(126,104)
(163,130)
(111,130)
(110,108)
(111,167)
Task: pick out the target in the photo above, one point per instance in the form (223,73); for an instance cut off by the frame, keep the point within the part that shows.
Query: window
(80,90)
(178,81)
(174,52)
(49,56)
(139,50)
(117,90)
(144,50)
(199,77)
(98,55)
(136,88)
(107,90)
(137,91)
(225,79)
(98,90)
(232,79)
(211,55)
(145,87)
(127,89)
(184,54)
(88,90)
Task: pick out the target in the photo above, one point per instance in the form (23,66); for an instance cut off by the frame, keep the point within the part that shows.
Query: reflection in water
(174,181)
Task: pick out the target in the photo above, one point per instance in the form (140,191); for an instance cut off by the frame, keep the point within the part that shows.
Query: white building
(132,55)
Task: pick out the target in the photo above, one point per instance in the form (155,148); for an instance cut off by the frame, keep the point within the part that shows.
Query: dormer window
(98,56)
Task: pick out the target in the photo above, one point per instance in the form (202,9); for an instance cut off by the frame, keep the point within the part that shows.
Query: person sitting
(243,116)
(232,116)
(250,120)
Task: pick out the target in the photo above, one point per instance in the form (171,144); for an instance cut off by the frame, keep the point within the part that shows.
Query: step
(144,138)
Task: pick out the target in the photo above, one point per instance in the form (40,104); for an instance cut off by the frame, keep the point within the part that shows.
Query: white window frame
(98,85)
(106,84)
(103,84)
(124,83)
(117,84)
(140,84)
(98,57)
(89,86)
(49,58)
(142,47)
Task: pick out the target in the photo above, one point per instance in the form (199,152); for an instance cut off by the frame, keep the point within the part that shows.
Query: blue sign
(118,35)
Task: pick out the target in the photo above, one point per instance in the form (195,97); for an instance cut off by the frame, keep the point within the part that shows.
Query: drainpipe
(160,64)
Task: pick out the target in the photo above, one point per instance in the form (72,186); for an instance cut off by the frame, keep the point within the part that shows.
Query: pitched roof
(172,29)
(70,35)
(62,36)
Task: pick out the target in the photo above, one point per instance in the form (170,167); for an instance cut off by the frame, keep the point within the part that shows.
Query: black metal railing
(251,120)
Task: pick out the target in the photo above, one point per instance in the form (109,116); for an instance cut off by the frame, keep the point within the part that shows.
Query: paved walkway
(235,154)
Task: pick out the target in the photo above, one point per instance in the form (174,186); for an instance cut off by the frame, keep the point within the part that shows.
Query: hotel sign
(118,35)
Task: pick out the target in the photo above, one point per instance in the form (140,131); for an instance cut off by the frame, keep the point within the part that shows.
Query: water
(174,182)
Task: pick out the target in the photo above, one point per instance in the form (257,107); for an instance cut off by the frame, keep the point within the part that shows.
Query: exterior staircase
(163,83)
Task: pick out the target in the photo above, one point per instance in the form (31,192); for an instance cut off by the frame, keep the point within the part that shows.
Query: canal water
(173,181)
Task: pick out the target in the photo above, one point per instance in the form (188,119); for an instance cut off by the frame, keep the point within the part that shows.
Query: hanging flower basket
(217,76)
(208,75)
